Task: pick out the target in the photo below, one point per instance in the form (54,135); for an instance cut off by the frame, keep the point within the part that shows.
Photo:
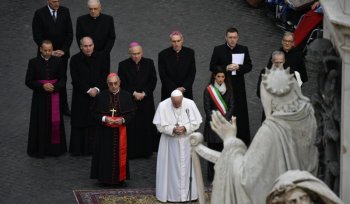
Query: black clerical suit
(295,60)
(107,162)
(176,69)
(86,72)
(40,138)
(59,32)
(100,29)
(221,57)
(141,77)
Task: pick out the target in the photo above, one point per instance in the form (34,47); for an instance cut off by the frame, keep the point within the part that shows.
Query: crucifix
(113,111)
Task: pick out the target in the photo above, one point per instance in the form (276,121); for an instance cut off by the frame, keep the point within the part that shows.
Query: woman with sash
(217,96)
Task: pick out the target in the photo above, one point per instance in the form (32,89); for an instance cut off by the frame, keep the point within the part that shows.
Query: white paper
(297,75)
(237,59)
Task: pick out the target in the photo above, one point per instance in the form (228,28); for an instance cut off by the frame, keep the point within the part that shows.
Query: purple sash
(55,113)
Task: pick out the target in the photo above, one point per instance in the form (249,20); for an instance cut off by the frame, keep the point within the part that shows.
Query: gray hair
(275,53)
(89,2)
(286,34)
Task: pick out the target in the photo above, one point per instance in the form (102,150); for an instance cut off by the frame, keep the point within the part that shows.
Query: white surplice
(173,161)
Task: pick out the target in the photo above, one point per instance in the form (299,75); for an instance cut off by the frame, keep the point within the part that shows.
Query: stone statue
(301,187)
(285,141)
(326,99)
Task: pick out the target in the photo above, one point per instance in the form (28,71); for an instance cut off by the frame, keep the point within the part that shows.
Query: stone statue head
(280,93)
(300,187)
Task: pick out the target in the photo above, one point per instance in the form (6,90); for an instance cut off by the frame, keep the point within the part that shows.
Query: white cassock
(173,161)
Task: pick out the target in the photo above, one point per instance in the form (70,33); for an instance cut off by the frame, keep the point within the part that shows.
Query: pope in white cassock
(176,118)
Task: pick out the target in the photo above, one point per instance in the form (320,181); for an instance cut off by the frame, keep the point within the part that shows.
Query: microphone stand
(190,179)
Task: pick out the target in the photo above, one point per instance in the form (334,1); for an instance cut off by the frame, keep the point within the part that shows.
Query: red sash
(122,148)
(55,113)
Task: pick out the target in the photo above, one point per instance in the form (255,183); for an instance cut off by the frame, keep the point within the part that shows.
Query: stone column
(337,29)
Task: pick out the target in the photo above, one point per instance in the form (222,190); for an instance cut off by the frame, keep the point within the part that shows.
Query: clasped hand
(111,121)
(232,67)
(48,87)
(179,130)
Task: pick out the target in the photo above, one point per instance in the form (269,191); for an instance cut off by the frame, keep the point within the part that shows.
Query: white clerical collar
(230,46)
(46,59)
(116,92)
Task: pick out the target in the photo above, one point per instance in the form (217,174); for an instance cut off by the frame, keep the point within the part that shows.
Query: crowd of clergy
(113,115)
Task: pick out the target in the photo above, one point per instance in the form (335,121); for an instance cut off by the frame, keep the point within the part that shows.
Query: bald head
(87,46)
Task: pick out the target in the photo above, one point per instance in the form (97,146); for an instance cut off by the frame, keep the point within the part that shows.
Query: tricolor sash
(55,113)
(217,98)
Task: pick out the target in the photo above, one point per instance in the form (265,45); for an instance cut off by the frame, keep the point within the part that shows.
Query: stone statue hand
(222,127)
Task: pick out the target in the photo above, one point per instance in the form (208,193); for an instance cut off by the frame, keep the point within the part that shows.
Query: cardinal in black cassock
(114,109)
(222,58)
(138,77)
(46,77)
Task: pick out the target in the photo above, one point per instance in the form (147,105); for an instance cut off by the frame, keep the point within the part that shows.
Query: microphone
(190,178)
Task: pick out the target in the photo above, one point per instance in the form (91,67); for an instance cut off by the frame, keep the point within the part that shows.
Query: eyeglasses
(287,41)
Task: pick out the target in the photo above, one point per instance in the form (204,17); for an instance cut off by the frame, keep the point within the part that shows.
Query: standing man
(98,26)
(46,77)
(235,58)
(177,67)
(176,118)
(293,58)
(114,109)
(87,69)
(52,22)
(139,78)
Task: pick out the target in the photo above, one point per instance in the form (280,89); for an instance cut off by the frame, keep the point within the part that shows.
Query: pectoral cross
(113,111)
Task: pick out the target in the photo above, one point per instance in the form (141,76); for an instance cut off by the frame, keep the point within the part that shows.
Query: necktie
(54,16)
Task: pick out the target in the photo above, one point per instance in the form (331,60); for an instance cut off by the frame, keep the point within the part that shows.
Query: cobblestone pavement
(203,23)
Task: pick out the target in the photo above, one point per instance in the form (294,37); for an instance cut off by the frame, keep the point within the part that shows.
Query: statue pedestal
(337,29)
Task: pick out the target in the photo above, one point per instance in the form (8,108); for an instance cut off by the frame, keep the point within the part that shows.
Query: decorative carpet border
(93,196)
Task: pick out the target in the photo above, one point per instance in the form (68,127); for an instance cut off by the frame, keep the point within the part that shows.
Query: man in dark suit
(235,58)
(177,67)
(88,71)
(98,26)
(53,22)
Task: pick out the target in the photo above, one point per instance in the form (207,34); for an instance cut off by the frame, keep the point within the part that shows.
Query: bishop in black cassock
(138,76)
(222,57)
(176,67)
(113,111)
(46,129)
(88,72)
(98,26)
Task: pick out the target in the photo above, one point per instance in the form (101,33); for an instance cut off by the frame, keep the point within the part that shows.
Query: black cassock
(142,134)
(100,29)
(86,72)
(106,162)
(221,57)
(176,70)
(40,141)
